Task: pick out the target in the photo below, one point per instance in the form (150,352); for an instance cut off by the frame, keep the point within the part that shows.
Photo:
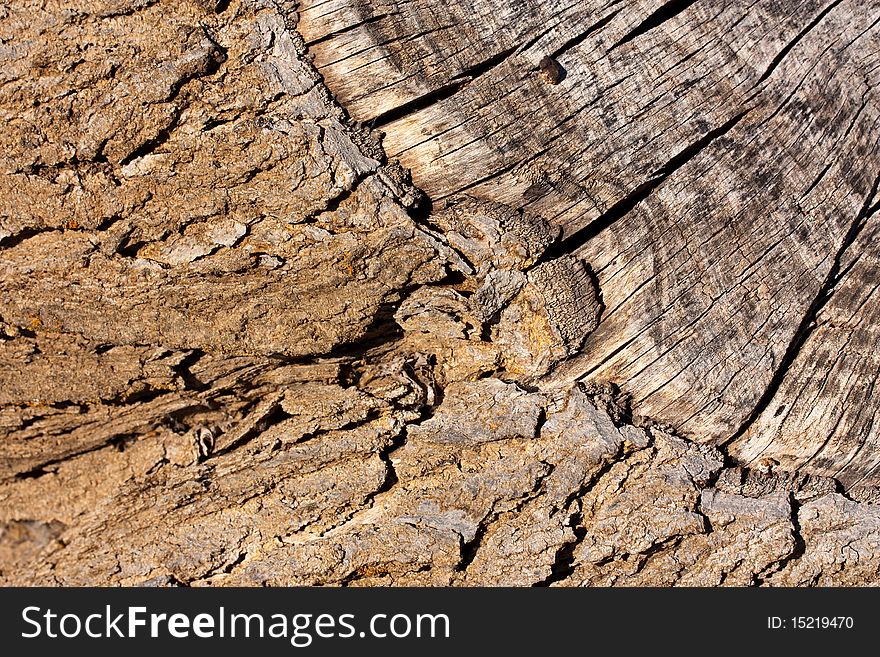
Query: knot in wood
(550,70)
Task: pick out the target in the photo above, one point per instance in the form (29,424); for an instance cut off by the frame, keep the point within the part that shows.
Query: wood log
(715,162)
(348,293)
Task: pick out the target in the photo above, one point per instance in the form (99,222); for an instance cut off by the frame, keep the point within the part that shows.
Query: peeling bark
(239,346)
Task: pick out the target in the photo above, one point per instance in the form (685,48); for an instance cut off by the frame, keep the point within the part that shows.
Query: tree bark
(351,293)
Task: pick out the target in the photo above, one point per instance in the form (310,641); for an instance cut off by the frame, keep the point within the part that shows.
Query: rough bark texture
(239,346)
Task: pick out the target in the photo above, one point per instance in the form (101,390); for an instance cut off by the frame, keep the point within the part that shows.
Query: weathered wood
(238,346)
(714,162)
(829,393)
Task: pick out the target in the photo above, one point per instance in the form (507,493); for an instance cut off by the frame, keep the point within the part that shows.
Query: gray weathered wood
(714,162)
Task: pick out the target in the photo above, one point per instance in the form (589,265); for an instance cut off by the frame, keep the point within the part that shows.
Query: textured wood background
(239,346)
(715,162)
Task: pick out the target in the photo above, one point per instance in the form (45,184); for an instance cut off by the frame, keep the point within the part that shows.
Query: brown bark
(619,331)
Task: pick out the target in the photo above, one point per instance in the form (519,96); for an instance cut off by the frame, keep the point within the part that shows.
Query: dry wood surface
(715,162)
(438,293)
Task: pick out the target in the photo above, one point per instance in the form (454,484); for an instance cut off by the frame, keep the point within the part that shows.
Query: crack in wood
(625,205)
(578,39)
(791,44)
(808,321)
(667,12)
(349,28)
(443,93)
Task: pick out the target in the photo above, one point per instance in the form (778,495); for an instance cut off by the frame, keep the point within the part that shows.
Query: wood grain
(239,347)
(715,162)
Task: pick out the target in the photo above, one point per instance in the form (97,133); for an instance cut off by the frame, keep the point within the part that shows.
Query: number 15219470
(810,623)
